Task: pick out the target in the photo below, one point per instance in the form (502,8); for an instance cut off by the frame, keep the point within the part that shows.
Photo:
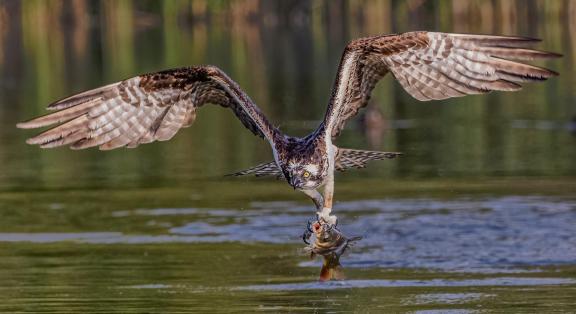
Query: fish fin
(356,158)
(353,240)
(265,169)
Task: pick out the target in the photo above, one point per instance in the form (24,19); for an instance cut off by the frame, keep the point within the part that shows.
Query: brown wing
(430,66)
(143,109)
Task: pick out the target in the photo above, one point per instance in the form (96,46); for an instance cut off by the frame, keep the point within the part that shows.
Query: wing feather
(431,66)
(265,169)
(143,109)
(84,97)
(355,158)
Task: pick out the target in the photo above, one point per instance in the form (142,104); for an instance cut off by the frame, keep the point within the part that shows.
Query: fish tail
(338,273)
(325,273)
(331,270)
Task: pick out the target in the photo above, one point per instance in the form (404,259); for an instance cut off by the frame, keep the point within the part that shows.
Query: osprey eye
(306,174)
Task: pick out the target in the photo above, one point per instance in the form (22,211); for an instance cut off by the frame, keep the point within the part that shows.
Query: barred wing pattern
(265,169)
(143,109)
(431,66)
(356,158)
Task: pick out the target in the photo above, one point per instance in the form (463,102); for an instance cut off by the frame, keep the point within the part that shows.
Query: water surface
(477,216)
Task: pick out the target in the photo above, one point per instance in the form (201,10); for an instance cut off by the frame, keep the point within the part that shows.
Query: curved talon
(305,236)
(308,233)
(327,221)
(309,226)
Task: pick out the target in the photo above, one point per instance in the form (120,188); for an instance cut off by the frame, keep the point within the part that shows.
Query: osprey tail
(356,158)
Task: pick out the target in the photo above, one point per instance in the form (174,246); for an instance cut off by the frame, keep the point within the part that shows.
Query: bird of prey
(428,65)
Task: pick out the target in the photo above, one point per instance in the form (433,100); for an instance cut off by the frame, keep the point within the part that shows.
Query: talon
(329,220)
(309,226)
(308,233)
(305,236)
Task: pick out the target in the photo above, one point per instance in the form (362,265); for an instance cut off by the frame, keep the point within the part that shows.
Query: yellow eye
(306,174)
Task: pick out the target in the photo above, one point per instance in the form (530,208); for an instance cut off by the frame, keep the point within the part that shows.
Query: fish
(330,243)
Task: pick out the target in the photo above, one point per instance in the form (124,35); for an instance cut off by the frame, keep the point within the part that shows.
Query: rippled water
(466,253)
(478,216)
(469,234)
(485,235)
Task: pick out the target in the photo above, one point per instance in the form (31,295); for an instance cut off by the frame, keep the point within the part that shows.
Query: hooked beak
(295,182)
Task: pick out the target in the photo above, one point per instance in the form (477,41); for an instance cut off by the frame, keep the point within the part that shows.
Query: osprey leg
(316,198)
(328,201)
(318,202)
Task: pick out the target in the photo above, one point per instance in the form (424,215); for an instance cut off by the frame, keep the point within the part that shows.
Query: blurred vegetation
(285,55)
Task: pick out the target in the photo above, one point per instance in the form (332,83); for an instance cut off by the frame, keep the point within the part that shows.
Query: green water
(149,250)
(478,216)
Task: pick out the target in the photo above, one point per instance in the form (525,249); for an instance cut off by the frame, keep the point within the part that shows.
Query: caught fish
(330,243)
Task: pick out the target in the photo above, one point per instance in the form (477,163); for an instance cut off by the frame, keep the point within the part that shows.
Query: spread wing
(430,66)
(143,109)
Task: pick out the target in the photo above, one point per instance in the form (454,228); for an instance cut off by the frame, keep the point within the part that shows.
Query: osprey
(428,65)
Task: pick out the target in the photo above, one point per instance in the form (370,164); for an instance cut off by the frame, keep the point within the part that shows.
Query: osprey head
(303,175)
